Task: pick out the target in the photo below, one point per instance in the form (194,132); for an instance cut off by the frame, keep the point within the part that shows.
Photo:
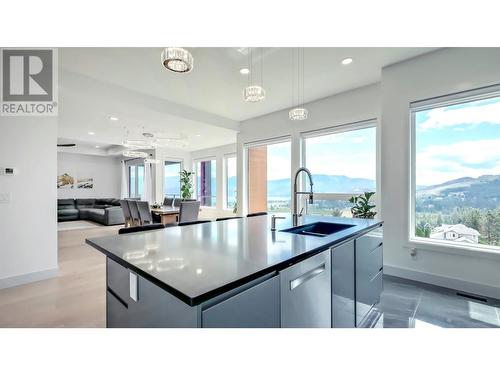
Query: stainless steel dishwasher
(306,293)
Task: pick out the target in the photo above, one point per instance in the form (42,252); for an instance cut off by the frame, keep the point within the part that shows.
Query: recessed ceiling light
(347,61)
(244,71)
(113,118)
(198,135)
(91,133)
(97,146)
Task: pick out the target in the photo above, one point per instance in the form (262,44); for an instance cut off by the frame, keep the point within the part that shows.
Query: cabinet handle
(133,286)
(307,276)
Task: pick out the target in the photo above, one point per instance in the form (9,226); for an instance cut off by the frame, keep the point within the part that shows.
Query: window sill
(454,249)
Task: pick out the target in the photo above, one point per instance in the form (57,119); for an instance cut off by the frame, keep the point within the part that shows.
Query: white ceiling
(132,84)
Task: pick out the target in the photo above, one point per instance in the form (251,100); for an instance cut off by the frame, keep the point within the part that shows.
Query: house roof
(457,228)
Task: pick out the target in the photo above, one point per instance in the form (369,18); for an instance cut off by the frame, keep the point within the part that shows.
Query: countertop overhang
(198,262)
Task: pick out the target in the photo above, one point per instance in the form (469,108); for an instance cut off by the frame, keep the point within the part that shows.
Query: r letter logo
(29,82)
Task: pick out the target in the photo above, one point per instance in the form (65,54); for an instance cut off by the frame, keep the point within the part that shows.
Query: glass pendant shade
(177,59)
(139,143)
(254,94)
(298,114)
(135,154)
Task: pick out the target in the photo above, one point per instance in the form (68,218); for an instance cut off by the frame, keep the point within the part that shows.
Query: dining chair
(194,222)
(134,212)
(126,213)
(168,201)
(257,214)
(144,212)
(228,218)
(189,211)
(141,228)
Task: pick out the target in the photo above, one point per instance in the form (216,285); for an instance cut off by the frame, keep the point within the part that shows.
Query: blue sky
(350,154)
(462,140)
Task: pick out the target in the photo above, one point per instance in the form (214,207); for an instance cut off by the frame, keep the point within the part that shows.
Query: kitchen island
(239,273)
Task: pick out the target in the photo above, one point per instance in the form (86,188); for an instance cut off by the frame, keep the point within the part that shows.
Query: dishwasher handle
(307,276)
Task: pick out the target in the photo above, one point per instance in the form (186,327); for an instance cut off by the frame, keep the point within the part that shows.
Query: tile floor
(409,304)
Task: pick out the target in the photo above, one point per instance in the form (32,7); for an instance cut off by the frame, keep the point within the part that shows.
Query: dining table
(168,214)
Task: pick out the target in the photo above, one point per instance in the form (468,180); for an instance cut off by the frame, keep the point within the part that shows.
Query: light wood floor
(75,298)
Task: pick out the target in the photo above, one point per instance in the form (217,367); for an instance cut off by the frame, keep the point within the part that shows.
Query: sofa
(106,211)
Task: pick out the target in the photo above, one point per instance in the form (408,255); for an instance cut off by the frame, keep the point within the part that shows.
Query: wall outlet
(413,252)
(8,171)
(5,197)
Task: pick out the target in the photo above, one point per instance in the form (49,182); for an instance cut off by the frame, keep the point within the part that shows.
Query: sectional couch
(105,211)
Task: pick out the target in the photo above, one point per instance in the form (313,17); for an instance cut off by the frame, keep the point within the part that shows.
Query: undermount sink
(318,229)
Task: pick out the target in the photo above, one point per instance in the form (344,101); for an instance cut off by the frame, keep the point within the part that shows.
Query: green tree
(423,229)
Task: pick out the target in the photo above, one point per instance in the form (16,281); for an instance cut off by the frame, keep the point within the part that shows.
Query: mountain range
(480,192)
(281,187)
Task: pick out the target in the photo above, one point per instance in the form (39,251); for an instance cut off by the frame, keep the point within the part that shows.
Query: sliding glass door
(206,182)
(136,181)
(171,179)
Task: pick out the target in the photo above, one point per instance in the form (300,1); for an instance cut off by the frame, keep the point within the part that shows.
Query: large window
(231,181)
(136,181)
(342,161)
(171,183)
(269,177)
(456,170)
(206,182)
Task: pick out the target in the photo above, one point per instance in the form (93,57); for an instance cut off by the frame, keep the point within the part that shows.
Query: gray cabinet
(369,271)
(343,286)
(306,293)
(132,301)
(255,307)
(156,308)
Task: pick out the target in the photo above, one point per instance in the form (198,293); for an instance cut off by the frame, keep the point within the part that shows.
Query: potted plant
(156,205)
(186,184)
(362,207)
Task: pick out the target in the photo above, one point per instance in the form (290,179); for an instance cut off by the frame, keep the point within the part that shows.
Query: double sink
(318,229)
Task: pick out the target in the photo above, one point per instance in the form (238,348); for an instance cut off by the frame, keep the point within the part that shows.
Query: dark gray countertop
(198,262)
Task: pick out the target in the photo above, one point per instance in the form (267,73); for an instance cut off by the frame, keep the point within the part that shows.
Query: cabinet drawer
(256,307)
(368,242)
(368,291)
(370,263)
(116,312)
(118,279)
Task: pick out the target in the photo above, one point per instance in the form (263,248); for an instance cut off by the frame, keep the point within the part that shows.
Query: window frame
(259,143)
(337,129)
(427,104)
(225,179)
(173,160)
(195,184)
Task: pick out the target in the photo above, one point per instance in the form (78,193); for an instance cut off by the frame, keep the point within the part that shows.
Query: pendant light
(135,154)
(177,59)
(298,113)
(253,92)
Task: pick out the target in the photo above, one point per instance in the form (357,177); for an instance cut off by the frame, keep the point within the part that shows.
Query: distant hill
(324,183)
(481,192)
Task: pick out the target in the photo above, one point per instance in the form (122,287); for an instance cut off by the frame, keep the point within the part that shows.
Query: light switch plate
(133,286)
(5,197)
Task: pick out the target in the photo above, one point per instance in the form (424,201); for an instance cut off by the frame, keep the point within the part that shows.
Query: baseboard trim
(447,282)
(10,282)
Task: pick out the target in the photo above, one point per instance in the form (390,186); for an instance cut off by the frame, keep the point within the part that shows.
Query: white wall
(345,108)
(28,224)
(105,170)
(439,73)
(217,153)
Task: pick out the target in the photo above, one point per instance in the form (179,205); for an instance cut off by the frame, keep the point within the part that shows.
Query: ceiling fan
(66,144)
